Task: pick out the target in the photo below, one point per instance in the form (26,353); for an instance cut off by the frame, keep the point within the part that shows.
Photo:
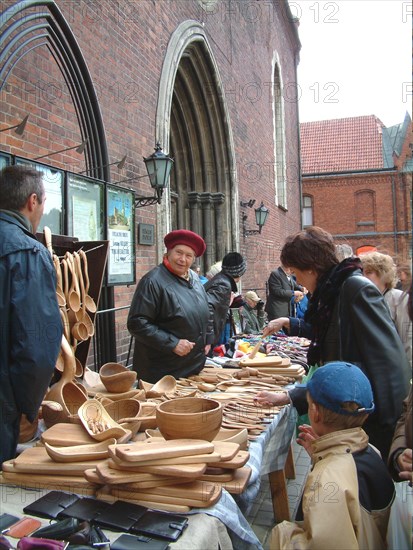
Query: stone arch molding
(186,34)
(31,24)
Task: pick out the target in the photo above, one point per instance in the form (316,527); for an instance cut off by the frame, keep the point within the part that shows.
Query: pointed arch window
(279,141)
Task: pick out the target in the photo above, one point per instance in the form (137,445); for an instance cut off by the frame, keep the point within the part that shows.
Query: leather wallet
(6,520)
(160,525)
(50,505)
(24,527)
(120,516)
(132,542)
(84,509)
(29,543)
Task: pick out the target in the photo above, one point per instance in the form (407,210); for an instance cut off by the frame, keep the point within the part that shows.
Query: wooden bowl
(189,418)
(116,378)
(125,412)
(98,423)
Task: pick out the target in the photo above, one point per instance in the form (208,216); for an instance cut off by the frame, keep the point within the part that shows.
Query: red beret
(188,238)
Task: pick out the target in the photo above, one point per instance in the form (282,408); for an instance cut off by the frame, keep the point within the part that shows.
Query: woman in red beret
(169,315)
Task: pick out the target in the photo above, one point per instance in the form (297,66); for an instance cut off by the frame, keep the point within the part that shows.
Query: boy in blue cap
(349,492)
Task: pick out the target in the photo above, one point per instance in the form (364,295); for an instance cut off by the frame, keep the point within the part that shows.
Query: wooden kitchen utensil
(255,349)
(75,453)
(98,423)
(152,450)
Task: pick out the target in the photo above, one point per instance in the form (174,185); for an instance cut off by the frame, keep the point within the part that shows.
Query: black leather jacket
(218,291)
(362,332)
(165,309)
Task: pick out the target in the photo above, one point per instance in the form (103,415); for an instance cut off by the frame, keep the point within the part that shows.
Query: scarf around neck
(322,302)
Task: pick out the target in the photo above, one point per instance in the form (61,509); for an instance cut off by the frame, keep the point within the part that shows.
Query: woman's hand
(404,462)
(276,325)
(183,347)
(306,437)
(266,398)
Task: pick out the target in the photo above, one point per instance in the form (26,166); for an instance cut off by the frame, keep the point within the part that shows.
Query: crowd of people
(359,325)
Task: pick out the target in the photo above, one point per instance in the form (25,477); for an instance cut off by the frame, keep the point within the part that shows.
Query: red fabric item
(187,238)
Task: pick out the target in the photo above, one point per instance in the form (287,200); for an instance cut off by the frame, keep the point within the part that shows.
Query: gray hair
(343,251)
(17,183)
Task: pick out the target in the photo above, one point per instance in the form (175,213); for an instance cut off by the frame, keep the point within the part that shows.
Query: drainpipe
(393,192)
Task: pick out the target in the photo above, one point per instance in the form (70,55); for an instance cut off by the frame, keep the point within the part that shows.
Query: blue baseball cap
(338,382)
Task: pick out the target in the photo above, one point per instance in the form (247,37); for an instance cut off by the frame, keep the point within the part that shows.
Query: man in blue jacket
(30,325)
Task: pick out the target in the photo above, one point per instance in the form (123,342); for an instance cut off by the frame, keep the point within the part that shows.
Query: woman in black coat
(346,320)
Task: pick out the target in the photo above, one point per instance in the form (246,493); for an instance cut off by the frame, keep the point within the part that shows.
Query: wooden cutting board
(115,477)
(226,449)
(180,497)
(49,482)
(150,449)
(222,477)
(179,470)
(66,435)
(191,459)
(238,461)
(269,360)
(239,482)
(113,494)
(36,460)
(198,490)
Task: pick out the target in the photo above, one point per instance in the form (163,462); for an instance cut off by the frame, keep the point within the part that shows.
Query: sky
(355,60)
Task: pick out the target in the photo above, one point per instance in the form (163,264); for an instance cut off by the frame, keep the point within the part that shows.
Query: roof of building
(345,145)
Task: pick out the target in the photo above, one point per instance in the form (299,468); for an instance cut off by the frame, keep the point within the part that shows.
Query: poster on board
(85,207)
(121,235)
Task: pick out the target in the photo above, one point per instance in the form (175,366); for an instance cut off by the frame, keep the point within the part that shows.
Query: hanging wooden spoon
(73,294)
(82,315)
(89,301)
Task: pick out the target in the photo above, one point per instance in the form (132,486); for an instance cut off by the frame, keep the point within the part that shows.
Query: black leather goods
(59,530)
(120,516)
(132,542)
(50,505)
(85,509)
(160,525)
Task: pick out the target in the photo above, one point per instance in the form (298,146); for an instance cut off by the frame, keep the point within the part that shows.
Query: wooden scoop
(82,315)
(73,298)
(255,349)
(89,301)
(167,384)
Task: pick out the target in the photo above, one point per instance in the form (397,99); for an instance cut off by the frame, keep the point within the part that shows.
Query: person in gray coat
(31,328)
(281,288)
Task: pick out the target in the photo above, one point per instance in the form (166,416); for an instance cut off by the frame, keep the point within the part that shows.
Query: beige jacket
(333,515)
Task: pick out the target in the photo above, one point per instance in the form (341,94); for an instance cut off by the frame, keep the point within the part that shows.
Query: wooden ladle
(82,315)
(89,301)
(255,349)
(61,300)
(167,384)
(73,294)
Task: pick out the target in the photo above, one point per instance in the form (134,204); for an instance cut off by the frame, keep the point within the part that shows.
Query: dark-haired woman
(346,320)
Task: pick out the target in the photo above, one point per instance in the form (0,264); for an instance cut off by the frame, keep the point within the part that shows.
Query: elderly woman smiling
(169,315)
(346,320)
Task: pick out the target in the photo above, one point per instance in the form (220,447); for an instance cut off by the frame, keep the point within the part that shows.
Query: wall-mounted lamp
(158,166)
(118,163)
(19,127)
(79,149)
(261,215)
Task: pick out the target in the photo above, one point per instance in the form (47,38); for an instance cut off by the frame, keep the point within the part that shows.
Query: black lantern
(261,215)
(158,165)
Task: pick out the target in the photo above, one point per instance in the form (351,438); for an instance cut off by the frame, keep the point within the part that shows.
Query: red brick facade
(360,188)
(119,50)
